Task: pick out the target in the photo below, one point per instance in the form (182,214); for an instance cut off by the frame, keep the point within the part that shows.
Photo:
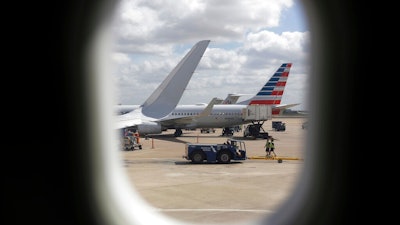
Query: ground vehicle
(207,130)
(228,131)
(130,143)
(278,126)
(222,153)
(253,130)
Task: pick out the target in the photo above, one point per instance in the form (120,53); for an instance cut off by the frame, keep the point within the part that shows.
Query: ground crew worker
(137,137)
(270,147)
(267,147)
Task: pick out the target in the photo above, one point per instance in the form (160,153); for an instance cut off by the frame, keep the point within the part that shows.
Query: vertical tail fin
(231,99)
(271,93)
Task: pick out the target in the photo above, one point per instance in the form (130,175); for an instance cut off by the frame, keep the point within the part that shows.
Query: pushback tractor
(232,149)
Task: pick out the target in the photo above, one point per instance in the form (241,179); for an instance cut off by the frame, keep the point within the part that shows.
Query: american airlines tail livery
(271,93)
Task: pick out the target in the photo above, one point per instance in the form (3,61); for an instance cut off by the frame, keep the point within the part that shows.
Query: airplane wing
(122,109)
(129,119)
(279,109)
(303,112)
(285,106)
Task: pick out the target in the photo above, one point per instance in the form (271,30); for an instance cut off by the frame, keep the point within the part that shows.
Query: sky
(250,39)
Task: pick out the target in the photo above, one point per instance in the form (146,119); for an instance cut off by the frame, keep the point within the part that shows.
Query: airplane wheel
(178,133)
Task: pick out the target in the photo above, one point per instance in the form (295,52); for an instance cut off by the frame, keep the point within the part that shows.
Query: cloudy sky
(250,39)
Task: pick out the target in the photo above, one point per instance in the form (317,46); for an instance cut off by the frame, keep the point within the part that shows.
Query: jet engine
(149,128)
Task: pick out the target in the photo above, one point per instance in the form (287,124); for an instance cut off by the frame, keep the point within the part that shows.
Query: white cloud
(151,37)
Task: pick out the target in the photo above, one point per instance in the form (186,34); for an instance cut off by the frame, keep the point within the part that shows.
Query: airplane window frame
(52,183)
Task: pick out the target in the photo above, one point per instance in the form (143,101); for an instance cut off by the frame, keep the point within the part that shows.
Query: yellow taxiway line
(274,158)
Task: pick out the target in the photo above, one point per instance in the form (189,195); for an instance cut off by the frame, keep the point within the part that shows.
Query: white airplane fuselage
(220,116)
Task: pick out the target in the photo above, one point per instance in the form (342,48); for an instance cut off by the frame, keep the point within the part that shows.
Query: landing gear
(178,132)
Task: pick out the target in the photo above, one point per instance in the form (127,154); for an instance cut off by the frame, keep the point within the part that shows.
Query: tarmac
(217,193)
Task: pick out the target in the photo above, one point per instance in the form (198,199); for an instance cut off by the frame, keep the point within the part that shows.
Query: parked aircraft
(148,116)
(229,115)
(221,116)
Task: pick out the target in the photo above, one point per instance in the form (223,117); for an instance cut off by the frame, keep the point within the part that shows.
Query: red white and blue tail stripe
(271,93)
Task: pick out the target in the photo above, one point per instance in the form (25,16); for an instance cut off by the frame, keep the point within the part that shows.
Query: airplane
(221,116)
(146,118)
(230,115)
